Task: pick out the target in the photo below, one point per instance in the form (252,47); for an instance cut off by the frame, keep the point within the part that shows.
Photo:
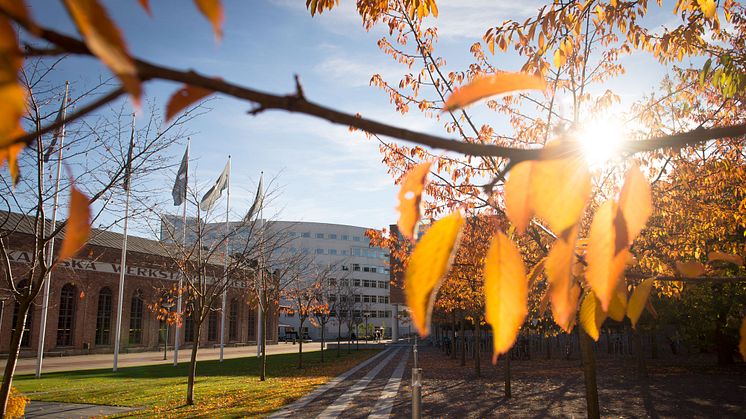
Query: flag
(130,154)
(216,191)
(180,186)
(258,202)
(59,131)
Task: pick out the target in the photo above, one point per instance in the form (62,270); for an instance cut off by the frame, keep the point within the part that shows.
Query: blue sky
(326,173)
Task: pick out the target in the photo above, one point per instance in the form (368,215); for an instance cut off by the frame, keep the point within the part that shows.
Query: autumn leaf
(495,84)
(12,94)
(10,154)
(78,224)
(559,190)
(618,304)
(591,315)
(635,202)
(105,40)
(145,4)
(428,263)
(410,198)
(505,292)
(708,8)
(517,196)
(562,288)
(725,257)
(638,300)
(184,97)
(536,272)
(605,260)
(690,269)
(213,11)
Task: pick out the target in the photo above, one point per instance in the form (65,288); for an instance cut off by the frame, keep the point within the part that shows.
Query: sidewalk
(98,361)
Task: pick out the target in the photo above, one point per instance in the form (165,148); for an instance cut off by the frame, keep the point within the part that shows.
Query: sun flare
(600,139)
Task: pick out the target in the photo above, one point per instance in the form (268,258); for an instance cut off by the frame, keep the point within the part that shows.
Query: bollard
(416,393)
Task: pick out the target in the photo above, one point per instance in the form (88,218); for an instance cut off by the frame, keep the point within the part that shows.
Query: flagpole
(225,263)
(259,316)
(123,265)
(50,254)
(181,275)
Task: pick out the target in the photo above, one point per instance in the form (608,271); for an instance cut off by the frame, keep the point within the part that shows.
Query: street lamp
(167,305)
(366,315)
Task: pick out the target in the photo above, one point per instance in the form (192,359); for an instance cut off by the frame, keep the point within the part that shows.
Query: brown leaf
(605,263)
(78,226)
(505,292)
(495,84)
(635,202)
(690,269)
(429,262)
(213,11)
(105,40)
(638,300)
(725,257)
(517,197)
(410,198)
(183,98)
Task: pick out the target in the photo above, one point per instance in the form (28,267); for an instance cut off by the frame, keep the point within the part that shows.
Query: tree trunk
(323,326)
(589,372)
(300,346)
(339,337)
(193,365)
(463,343)
(263,375)
(549,347)
(13,349)
(453,336)
(477,347)
(506,374)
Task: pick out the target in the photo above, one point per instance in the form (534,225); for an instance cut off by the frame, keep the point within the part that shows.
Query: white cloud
(458,19)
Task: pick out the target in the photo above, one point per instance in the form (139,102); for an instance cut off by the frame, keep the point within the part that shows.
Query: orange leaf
(536,272)
(691,269)
(618,304)
(558,267)
(429,262)
(10,154)
(517,197)
(591,315)
(638,300)
(742,341)
(708,8)
(410,197)
(635,202)
(725,257)
(184,97)
(495,84)
(78,224)
(606,261)
(559,190)
(505,292)
(146,5)
(105,41)
(213,11)
(12,94)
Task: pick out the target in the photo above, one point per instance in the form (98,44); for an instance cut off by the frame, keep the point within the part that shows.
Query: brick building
(84,292)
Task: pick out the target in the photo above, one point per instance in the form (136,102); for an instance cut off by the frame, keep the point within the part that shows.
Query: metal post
(416,393)
(165,343)
(225,264)
(181,274)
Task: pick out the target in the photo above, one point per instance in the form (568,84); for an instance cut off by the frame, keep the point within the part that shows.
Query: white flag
(216,191)
(258,201)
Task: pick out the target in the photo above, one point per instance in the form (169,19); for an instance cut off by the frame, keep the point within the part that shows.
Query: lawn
(228,389)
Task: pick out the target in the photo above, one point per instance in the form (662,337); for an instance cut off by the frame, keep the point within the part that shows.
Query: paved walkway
(97,361)
(54,410)
(367,390)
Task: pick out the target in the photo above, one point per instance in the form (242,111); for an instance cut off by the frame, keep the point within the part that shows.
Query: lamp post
(366,315)
(166,305)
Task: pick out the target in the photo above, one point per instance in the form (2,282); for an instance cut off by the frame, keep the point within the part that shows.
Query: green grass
(228,389)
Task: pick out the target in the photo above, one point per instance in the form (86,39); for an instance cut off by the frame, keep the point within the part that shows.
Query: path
(367,390)
(98,361)
(54,410)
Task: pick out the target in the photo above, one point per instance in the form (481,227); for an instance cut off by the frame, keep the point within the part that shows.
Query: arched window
(233,320)
(66,319)
(26,338)
(136,315)
(251,324)
(103,317)
(212,326)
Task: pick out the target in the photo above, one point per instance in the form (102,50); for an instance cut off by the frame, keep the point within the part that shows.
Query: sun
(600,139)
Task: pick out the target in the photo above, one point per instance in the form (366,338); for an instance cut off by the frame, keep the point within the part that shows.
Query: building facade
(84,295)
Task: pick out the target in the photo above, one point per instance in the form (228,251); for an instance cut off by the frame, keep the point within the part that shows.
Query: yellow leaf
(12,108)
(428,263)
(410,198)
(184,97)
(10,154)
(558,267)
(559,190)
(618,304)
(78,225)
(105,40)
(725,257)
(559,58)
(606,261)
(495,84)
(536,272)
(591,315)
(742,341)
(517,197)
(505,292)
(691,269)
(213,11)
(635,202)
(708,7)
(638,300)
